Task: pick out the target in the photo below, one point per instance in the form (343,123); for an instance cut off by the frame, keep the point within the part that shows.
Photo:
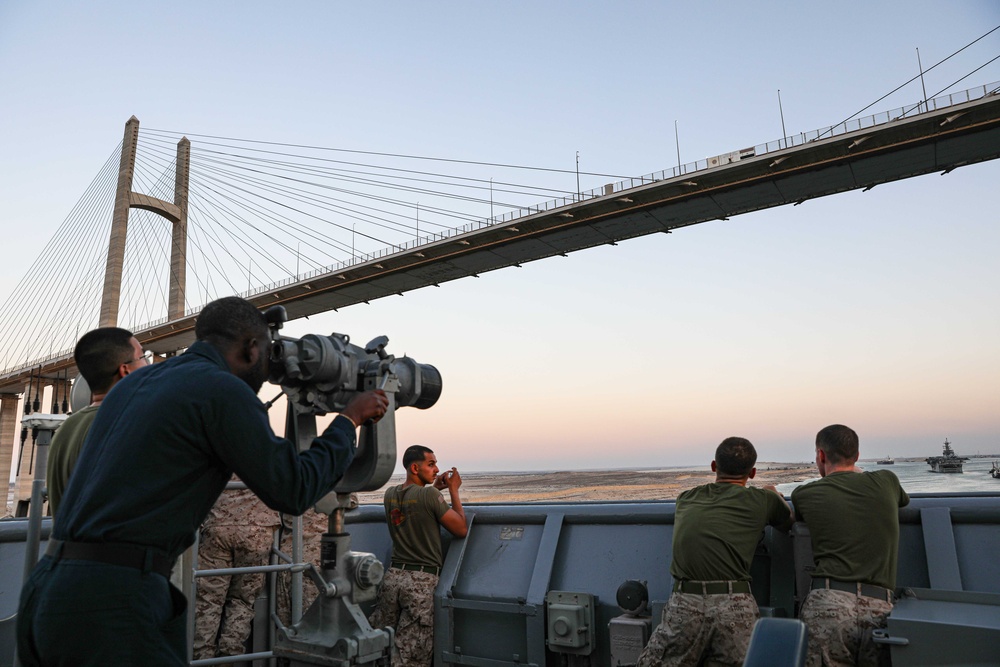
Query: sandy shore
(578,485)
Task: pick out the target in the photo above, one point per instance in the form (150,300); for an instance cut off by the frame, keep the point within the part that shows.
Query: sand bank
(602,485)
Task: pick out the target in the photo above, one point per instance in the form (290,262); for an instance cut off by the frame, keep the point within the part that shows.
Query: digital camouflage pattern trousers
(238,533)
(406,604)
(840,629)
(702,630)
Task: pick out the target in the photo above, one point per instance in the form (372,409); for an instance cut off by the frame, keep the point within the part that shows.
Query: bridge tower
(11,453)
(176,212)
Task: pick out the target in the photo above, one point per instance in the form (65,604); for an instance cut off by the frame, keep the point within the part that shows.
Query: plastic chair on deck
(777,642)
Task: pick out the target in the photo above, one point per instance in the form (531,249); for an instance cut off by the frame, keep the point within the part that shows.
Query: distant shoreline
(602,485)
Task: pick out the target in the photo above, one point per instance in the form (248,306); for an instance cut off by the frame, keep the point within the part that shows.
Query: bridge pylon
(176,212)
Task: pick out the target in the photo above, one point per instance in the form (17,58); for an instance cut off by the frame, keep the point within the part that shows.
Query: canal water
(916,477)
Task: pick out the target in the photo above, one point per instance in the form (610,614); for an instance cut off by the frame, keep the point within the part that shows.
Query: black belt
(856,587)
(126,555)
(429,569)
(712,587)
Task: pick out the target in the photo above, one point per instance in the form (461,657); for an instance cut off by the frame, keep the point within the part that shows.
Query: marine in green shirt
(853,520)
(103,356)
(415,512)
(711,613)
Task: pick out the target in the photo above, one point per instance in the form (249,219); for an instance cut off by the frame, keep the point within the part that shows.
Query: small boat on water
(887,461)
(948,461)
(995,470)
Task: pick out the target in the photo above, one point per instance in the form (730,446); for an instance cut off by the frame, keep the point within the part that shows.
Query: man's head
(421,465)
(836,446)
(239,331)
(735,459)
(106,355)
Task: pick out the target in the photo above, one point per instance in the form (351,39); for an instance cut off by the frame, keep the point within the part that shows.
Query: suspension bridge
(172,222)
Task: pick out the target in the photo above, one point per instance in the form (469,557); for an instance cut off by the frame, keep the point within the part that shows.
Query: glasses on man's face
(147,356)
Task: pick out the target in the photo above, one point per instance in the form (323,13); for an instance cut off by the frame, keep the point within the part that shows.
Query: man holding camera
(414,511)
(159,453)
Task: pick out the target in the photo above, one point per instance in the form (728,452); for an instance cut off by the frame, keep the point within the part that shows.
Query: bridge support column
(24,455)
(8,435)
(111,297)
(178,246)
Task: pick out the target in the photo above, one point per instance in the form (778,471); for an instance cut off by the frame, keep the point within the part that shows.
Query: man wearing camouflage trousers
(711,612)
(238,532)
(414,511)
(853,519)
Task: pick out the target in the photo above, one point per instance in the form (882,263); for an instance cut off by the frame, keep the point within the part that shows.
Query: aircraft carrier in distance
(948,461)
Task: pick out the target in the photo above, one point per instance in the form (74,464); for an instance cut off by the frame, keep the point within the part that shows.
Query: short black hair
(415,454)
(839,443)
(229,320)
(99,353)
(735,457)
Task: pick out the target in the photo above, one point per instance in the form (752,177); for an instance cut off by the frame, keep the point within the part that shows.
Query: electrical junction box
(570,622)
(628,636)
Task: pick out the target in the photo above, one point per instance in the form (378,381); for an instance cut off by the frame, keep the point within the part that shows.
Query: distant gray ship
(948,462)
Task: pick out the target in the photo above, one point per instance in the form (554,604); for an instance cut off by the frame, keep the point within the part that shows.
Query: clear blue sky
(875,309)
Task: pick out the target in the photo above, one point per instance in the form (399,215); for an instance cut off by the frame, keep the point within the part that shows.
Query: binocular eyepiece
(325,372)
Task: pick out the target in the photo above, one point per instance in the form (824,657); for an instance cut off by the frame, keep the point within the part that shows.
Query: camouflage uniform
(238,532)
(702,629)
(840,629)
(406,603)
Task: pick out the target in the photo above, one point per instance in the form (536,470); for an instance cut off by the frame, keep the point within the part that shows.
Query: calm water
(916,477)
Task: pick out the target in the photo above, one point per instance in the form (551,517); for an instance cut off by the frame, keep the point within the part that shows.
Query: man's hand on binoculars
(367,405)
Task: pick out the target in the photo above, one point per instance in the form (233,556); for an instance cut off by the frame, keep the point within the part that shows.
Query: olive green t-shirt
(63,452)
(717,527)
(853,520)
(413,514)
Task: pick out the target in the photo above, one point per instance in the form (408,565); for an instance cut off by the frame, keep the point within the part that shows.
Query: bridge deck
(934,141)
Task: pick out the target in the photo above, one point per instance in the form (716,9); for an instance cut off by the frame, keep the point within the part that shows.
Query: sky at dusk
(874,309)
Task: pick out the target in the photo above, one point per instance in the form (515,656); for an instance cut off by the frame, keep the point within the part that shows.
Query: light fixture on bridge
(798,202)
(308,286)
(341,276)
(464,242)
(378,266)
(419,254)
(777,161)
(513,229)
(566,215)
(869,187)
(625,200)
(858,141)
(951,118)
(690,183)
